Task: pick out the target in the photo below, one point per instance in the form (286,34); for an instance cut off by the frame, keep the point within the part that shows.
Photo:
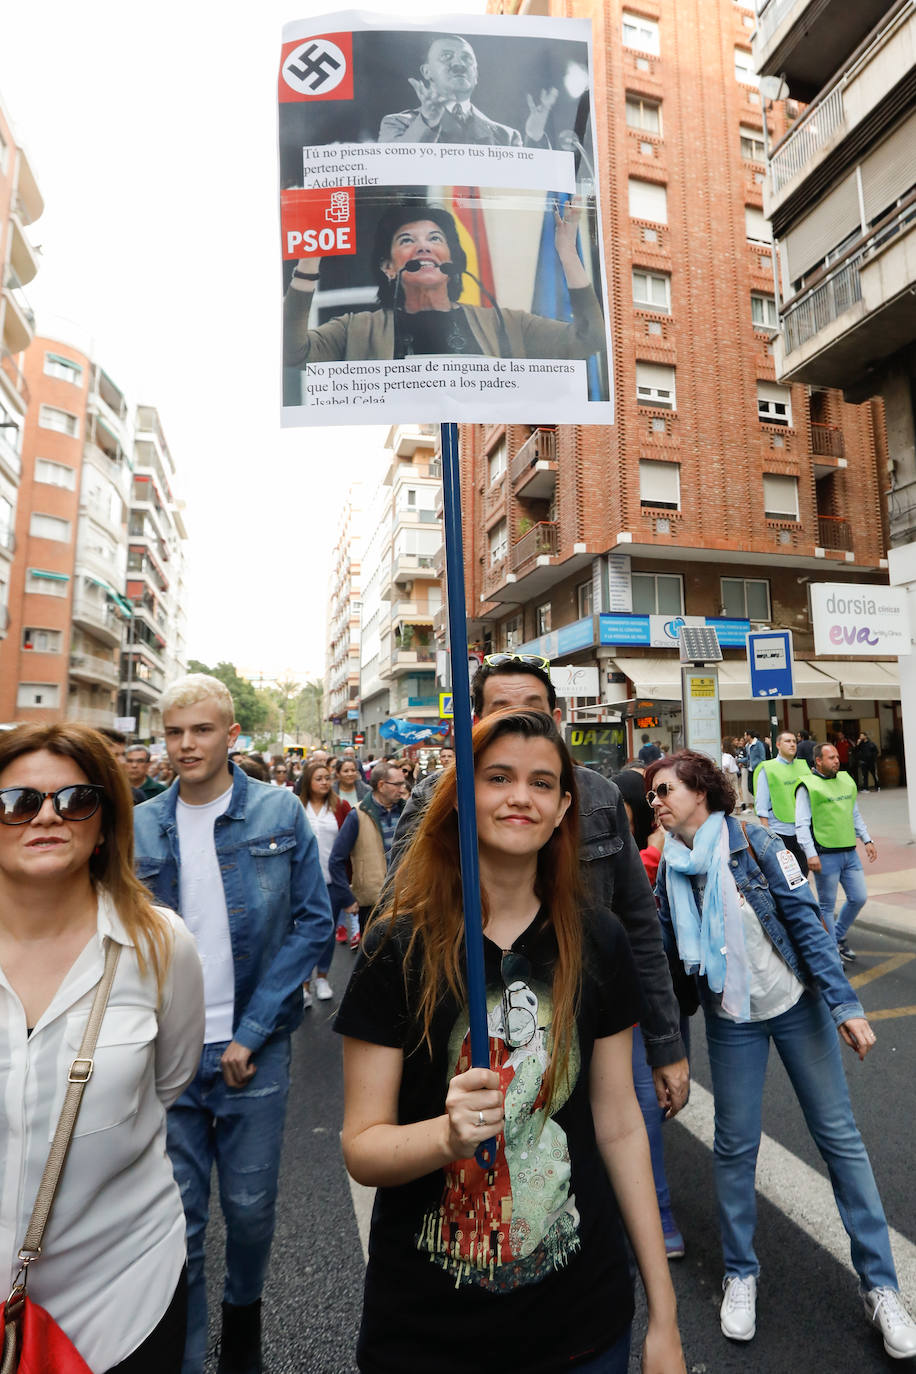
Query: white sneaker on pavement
(306,999)
(738,1313)
(886,1311)
(323,990)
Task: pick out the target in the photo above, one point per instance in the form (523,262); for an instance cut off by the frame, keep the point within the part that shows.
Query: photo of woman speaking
(420,267)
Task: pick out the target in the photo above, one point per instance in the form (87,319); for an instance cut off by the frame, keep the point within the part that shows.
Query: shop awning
(123,606)
(862,679)
(653,677)
(49,576)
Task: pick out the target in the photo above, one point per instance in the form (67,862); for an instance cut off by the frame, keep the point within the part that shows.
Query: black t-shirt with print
(523,1267)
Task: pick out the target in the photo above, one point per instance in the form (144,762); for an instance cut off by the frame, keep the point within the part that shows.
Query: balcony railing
(770,17)
(816,127)
(540,540)
(822,305)
(90,715)
(833,532)
(9,454)
(14,286)
(440,621)
(15,375)
(539,446)
(827,440)
(101,669)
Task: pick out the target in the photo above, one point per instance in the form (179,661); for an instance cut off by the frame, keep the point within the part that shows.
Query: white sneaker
(886,1311)
(323,990)
(738,1313)
(306,999)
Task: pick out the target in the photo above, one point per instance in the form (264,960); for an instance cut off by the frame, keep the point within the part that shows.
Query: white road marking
(799,1191)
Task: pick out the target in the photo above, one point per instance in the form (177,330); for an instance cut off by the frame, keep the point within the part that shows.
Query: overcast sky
(152,130)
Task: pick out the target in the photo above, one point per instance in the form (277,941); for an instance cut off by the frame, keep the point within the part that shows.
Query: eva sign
(863,619)
(317,223)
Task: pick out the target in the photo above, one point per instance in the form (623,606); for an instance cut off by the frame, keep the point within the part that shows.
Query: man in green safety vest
(775,781)
(827,825)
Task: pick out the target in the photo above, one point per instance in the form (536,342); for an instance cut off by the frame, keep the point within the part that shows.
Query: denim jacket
(279,914)
(790,917)
(615,880)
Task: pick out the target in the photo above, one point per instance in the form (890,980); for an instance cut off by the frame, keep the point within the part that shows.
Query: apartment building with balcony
(723,487)
(67,607)
(841,197)
(21,205)
(154,646)
(402,586)
(344,606)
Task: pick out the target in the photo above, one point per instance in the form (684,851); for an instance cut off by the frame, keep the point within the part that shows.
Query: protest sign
(440,231)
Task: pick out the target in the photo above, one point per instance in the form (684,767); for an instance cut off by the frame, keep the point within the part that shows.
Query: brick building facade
(719,492)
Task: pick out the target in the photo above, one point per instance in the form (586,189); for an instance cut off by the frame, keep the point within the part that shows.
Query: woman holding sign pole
(518,1263)
(420,266)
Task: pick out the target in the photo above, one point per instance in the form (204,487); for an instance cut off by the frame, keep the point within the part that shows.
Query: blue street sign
(769,661)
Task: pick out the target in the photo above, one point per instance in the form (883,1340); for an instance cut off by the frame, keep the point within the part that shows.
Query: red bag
(32,1341)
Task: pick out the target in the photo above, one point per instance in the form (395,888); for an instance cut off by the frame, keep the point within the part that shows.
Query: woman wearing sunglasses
(111,1269)
(520,1264)
(745,921)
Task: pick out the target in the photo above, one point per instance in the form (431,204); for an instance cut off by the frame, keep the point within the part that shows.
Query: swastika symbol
(339,210)
(315,67)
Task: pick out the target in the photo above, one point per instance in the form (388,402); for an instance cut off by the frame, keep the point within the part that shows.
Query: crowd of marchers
(165,925)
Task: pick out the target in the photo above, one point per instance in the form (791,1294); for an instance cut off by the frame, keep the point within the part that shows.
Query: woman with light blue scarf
(735,904)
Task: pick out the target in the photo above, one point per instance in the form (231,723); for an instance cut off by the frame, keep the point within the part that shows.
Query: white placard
(574,681)
(864,619)
(440,209)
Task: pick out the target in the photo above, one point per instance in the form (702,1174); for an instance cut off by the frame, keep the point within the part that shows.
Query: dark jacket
(616,880)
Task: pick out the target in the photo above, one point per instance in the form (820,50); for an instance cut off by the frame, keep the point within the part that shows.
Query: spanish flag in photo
(466,206)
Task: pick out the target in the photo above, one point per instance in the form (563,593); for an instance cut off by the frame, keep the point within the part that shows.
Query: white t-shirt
(729,765)
(352,797)
(773,986)
(325,829)
(203,906)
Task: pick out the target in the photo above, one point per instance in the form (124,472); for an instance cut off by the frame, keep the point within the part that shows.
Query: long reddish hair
(427,885)
(305,791)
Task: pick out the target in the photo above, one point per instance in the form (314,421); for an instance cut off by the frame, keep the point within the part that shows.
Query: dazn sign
(318,223)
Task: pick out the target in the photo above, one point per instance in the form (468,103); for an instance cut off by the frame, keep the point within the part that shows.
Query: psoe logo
(319,68)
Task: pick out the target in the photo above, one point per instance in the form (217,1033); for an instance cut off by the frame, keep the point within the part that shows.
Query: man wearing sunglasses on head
(610,862)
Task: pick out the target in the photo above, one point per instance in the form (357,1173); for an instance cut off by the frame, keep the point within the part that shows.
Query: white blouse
(115,1244)
(325,829)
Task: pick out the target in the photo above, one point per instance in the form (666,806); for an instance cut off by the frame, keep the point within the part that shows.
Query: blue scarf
(712,943)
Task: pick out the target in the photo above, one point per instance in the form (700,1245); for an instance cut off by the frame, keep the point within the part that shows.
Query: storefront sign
(573,681)
(659,631)
(865,619)
(620,582)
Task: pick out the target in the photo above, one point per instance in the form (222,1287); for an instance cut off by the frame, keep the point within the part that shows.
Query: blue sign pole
(464,764)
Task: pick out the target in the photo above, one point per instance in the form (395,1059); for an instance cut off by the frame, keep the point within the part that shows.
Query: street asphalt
(808,1312)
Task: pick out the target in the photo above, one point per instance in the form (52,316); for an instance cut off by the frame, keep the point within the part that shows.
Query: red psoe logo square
(317,68)
(318,223)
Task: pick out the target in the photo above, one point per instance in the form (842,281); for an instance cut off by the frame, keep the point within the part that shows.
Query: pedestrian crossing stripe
(886,966)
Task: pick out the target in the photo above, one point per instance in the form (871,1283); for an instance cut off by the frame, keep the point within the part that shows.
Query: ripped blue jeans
(240,1130)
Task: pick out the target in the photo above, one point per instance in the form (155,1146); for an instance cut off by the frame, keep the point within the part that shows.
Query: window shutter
(780,495)
(832,221)
(659,483)
(889,171)
(648,200)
